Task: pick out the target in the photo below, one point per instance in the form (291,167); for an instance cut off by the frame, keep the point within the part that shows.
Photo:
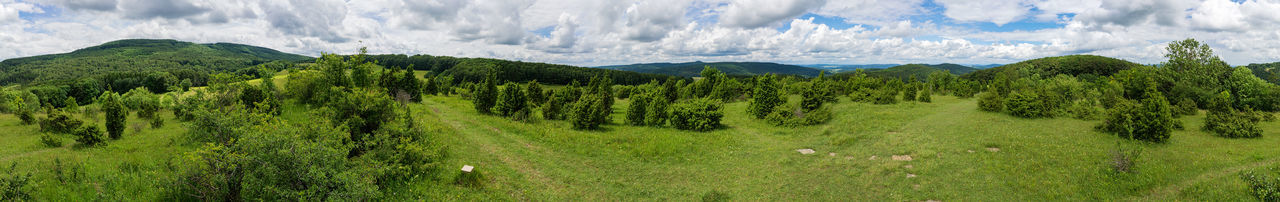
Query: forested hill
(475,69)
(920,71)
(692,69)
(1267,71)
(1075,65)
(139,56)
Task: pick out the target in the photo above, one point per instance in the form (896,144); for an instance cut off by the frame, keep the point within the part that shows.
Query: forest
(207,123)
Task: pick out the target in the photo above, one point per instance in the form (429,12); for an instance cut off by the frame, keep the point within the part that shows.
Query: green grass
(748,160)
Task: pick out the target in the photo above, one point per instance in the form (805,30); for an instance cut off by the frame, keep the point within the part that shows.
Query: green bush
(926,96)
(89,135)
(486,94)
(51,140)
(1085,110)
(533,90)
(13,186)
(555,107)
(990,101)
(637,109)
(1187,107)
(586,113)
(885,96)
(1263,184)
(511,100)
(1152,120)
(909,94)
(697,115)
(157,122)
(765,95)
(116,113)
(656,113)
(1232,124)
(1026,104)
(794,116)
(59,122)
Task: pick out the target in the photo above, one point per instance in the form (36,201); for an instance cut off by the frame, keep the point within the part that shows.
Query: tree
(656,113)
(1225,121)
(990,101)
(909,93)
(533,90)
(19,108)
(765,96)
(587,113)
(700,114)
(554,109)
(486,95)
(926,96)
(670,90)
(1151,120)
(511,101)
(116,113)
(361,71)
(636,110)
(89,135)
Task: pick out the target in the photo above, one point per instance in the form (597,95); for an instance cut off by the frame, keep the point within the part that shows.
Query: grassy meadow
(957,153)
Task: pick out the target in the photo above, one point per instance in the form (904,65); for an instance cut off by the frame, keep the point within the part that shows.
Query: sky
(609,32)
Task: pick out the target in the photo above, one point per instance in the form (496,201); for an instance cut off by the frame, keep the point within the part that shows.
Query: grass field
(957,152)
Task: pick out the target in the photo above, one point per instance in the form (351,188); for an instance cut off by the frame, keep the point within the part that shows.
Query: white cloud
(760,13)
(874,12)
(999,12)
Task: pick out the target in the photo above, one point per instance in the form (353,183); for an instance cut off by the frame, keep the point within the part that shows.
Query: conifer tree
(511,101)
(486,94)
(764,96)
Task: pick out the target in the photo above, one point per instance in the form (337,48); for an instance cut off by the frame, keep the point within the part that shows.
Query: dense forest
(476,69)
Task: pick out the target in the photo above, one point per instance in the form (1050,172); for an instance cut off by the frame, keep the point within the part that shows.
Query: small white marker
(467,168)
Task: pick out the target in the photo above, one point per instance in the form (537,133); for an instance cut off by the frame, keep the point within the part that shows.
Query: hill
(920,71)
(137,55)
(475,69)
(1266,71)
(692,69)
(1075,65)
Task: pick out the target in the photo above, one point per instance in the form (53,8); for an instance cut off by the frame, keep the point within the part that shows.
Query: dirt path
(1164,193)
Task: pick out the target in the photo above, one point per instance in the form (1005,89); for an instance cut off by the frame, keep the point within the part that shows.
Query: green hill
(920,71)
(1074,65)
(692,69)
(1266,71)
(475,69)
(137,55)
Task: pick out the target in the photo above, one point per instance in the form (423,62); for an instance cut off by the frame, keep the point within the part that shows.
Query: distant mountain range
(919,71)
(693,69)
(138,55)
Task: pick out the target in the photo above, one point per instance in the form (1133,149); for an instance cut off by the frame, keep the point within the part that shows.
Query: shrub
(26,117)
(1230,123)
(554,109)
(89,135)
(59,122)
(50,140)
(1152,120)
(886,95)
(71,105)
(116,113)
(656,113)
(14,185)
(926,96)
(486,94)
(157,122)
(764,96)
(990,101)
(534,91)
(1124,160)
(697,115)
(1085,110)
(793,116)
(586,113)
(1263,184)
(636,110)
(511,100)
(1026,104)
(1187,107)
(909,94)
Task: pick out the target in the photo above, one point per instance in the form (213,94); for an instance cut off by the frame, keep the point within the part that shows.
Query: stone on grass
(467,168)
(806,151)
(993,149)
(902,157)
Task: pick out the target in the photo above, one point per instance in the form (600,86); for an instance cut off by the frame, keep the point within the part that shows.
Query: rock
(902,157)
(805,151)
(970,151)
(831,154)
(909,175)
(848,158)
(467,168)
(873,157)
(993,149)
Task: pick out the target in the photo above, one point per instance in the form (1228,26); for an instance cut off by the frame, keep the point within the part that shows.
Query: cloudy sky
(602,32)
